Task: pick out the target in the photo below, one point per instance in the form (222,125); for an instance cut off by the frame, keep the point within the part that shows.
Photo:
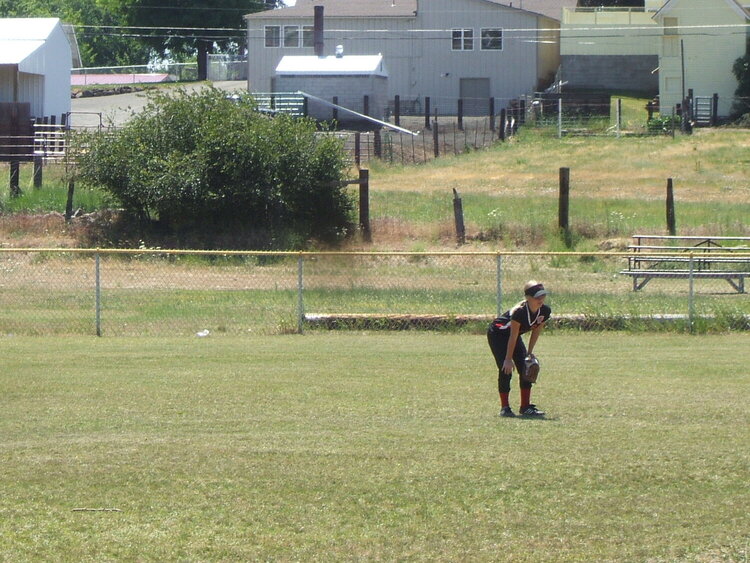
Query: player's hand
(507,367)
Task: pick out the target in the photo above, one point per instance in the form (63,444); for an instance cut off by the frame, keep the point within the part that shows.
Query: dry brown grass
(711,165)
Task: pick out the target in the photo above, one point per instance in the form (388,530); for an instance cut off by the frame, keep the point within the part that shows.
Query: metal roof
(398,8)
(343,9)
(21,37)
(345,65)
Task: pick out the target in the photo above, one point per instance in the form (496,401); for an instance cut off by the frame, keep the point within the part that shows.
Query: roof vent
(339,51)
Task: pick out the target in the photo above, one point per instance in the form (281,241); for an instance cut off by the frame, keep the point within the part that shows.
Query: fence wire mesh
(123,293)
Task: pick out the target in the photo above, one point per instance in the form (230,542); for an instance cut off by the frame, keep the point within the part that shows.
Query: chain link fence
(152,292)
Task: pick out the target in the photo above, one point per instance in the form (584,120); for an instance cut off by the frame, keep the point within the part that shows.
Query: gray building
(444,49)
(354,78)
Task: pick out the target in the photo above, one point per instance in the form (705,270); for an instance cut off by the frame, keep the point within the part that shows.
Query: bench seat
(642,276)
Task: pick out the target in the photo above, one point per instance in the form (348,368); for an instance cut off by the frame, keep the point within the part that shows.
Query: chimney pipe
(318,31)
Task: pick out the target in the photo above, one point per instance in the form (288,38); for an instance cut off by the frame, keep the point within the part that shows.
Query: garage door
(475,93)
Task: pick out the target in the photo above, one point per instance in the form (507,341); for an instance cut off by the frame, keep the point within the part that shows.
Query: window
(308,37)
(273,36)
(291,36)
(492,39)
(671,26)
(463,39)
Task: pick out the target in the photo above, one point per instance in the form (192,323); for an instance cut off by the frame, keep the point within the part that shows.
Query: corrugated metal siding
(31,89)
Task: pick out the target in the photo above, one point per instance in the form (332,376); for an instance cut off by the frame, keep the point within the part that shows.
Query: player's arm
(515,329)
(535,332)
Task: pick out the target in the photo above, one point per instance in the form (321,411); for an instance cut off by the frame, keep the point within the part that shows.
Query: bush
(203,168)
(741,71)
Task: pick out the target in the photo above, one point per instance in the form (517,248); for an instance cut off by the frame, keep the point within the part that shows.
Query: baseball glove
(531,373)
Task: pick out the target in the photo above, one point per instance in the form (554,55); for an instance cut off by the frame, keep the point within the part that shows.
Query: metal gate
(703,111)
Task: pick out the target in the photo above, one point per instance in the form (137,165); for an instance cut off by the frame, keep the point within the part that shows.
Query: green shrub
(204,168)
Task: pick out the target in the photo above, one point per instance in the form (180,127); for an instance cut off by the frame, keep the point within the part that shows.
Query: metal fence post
(499,285)
(300,297)
(559,118)
(691,296)
(98,293)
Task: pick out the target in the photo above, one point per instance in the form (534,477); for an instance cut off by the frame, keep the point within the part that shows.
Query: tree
(98,46)
(186,26)
(741,70)
(210,171)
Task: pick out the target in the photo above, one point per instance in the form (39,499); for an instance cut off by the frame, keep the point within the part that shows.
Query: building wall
(611,72)
(57,64)
(418,51)
(349,89)
(7,74)
(31,89)
(708,59)
(548,52)
(587,31)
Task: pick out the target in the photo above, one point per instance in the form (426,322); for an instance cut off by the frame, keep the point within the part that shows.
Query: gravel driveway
(117,109)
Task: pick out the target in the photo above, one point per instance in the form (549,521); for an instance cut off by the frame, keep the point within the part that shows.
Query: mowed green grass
(372,446)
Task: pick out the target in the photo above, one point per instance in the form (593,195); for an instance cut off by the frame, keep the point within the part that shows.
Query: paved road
(88,112)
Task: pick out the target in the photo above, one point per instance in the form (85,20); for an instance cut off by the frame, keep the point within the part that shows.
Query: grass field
(285,448)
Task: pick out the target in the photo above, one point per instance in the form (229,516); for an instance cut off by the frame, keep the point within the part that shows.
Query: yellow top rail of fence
(304,253)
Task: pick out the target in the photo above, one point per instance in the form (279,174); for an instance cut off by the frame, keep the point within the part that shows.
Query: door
(475,92)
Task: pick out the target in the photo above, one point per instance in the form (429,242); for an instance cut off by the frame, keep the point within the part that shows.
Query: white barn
(444,49)
(35,63)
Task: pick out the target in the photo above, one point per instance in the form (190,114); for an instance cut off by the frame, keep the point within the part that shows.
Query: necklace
(528,315)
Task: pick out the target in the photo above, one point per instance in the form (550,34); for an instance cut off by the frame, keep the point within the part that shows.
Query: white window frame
(291,31)
(308,33)
(466,34)
(266,29)
(482,38)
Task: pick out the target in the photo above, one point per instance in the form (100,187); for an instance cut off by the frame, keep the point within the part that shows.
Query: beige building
(700,41)
(667,47)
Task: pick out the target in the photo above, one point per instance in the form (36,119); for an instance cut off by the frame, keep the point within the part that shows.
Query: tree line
(127,32)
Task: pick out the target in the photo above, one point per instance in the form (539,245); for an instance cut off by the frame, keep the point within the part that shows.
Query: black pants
(498,340)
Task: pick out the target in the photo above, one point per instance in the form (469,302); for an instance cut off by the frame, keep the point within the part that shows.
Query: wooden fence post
(436,140)
(503,123)
(492,114)
(564,204)
(69,202)
(335,109)
(671,223)
(15,172)
(427,112)
(38,171)
(458,214)
(714,110)
(377,143)
(357,148)
(364,204)
(397,110)
(460,114)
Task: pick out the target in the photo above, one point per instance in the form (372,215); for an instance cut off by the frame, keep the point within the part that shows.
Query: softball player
(504,337)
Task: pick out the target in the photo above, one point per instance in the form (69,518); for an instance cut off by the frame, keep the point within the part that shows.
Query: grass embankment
(510,192)
(285,448)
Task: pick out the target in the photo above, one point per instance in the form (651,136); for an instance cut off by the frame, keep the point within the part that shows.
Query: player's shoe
(507,412)
(531,410)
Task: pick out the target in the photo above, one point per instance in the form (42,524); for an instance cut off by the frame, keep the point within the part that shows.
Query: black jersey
(523,316)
